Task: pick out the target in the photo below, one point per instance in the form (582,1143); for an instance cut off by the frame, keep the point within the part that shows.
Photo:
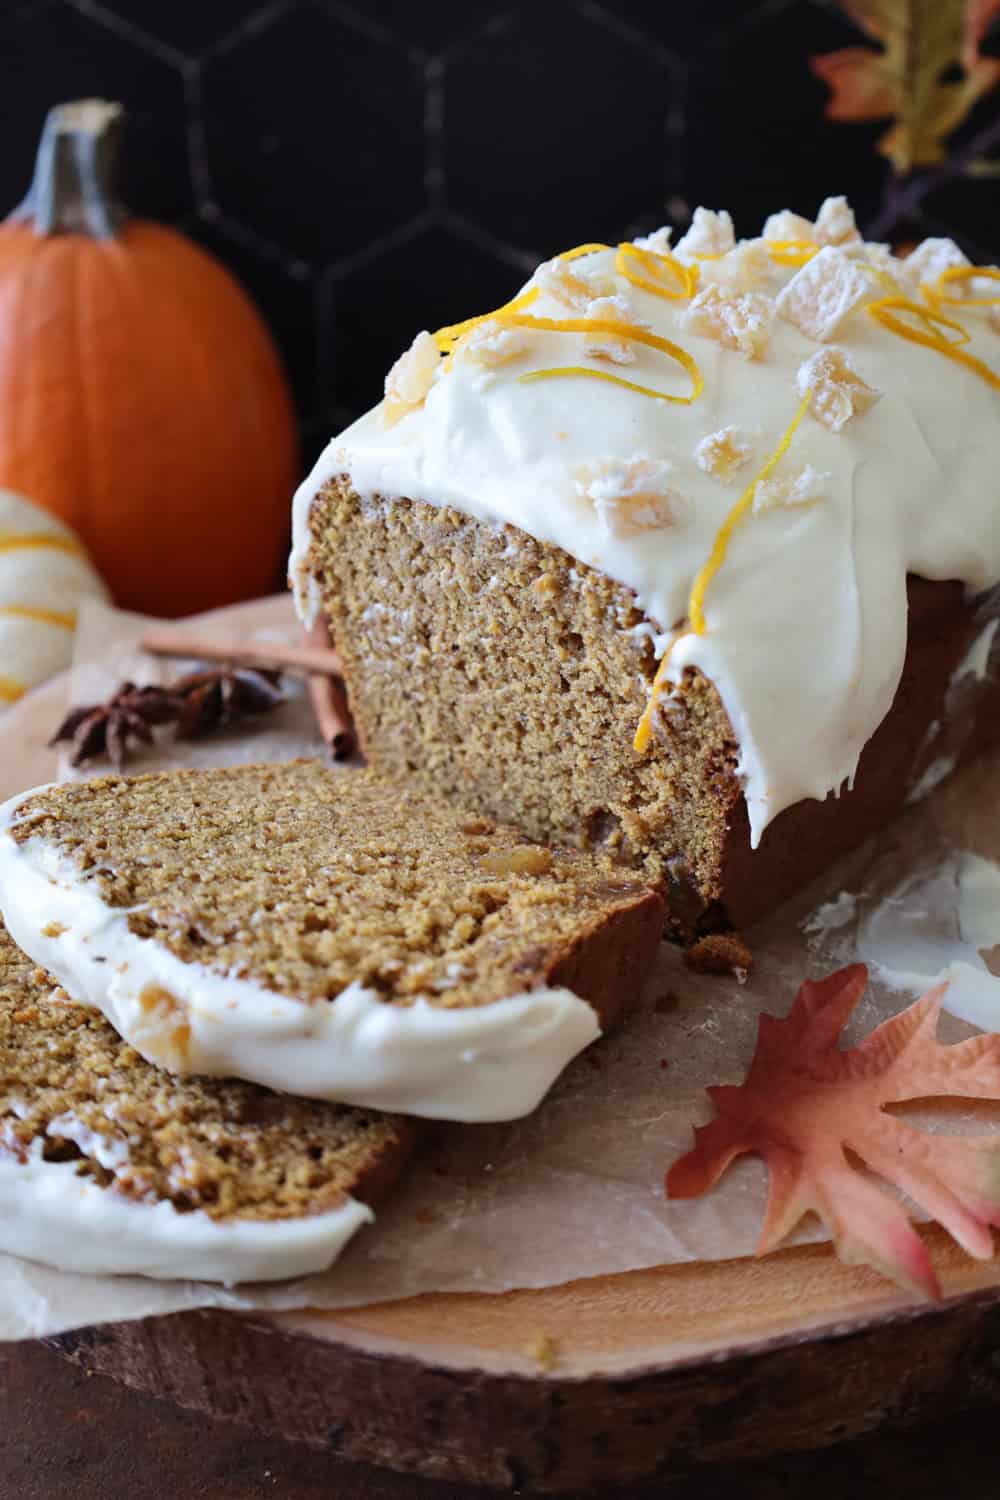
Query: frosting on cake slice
(109,1166)
(327,934)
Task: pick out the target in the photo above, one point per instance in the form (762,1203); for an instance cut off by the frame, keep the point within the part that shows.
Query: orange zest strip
(13,541)
(644,728)
(557,371)
(579,250)
(791,252)
(10,689)
(696,602)
(885,312)
(656,265)
(624,330)
(65,618)
(954,274)
(447,338)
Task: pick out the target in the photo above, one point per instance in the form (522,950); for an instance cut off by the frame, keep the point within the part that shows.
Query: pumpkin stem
(72,189)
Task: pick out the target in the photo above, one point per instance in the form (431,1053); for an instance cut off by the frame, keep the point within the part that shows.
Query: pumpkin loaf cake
(325,933)
(682,554)
(108,1165)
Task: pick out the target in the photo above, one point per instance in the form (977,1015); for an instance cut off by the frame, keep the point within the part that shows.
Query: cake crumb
(737,320)
(720,953)
(823,292)
(53,930)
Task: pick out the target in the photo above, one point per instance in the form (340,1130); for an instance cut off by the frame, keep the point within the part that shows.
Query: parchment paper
(575,1190)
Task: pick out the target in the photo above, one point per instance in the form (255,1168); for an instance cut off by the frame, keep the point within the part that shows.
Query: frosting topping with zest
(796,612)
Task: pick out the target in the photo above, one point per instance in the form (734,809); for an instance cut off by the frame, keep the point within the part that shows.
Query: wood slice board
(653,1371)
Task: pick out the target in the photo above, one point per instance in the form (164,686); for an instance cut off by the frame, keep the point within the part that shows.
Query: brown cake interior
(232,1150)
(305,879)
(499,672)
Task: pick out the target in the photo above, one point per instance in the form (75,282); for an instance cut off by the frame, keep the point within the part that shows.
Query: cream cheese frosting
(490,1062)
(50,1214)
(892,469)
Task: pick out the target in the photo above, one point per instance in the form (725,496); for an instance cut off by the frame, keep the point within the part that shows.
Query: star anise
(215,699)
(106,728)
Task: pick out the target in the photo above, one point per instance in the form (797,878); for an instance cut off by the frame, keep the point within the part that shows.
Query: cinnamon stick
(329,699)
(299,661)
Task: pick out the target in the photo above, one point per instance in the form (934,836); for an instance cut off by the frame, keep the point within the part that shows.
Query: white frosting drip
(807,616)
(490,1062)
(51,1214)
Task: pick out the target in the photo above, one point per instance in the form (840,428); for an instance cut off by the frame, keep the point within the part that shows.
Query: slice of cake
(325,933)
(680,554)
(108,1165)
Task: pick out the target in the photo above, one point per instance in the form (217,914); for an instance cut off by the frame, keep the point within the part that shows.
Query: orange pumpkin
(141,398)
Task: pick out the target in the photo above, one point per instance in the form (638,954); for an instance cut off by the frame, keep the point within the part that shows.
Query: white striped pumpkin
(44,575)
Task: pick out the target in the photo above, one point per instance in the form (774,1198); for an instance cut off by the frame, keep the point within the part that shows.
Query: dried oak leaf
(106,728)
(214,699)
(805,1104)
(926,77)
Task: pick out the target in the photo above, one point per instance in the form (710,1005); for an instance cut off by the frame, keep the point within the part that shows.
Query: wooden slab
(652,1372)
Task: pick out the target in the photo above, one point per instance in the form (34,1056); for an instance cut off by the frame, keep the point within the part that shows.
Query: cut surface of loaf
(108,1165)
(526,671)
(688,551)
(332,934)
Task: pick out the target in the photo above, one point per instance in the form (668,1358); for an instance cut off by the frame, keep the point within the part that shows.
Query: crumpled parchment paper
(576,1189)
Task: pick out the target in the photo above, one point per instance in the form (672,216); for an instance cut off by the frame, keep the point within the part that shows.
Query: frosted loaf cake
(628,563)
(108,1166)
(325,933)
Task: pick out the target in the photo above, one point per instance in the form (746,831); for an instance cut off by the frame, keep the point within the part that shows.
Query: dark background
(368,169)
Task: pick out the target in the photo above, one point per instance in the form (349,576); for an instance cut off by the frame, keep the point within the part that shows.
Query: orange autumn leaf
(805,1104)
(926,74)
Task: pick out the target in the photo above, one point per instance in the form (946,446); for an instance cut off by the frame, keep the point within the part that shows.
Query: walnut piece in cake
(824,292)
(737,320)
(838,390)
(411,377)
(722,453)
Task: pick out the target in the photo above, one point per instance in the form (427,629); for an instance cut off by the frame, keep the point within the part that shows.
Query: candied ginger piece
(823,292)
(411,377)
(747,266)
(630,495)
(573,283)
(722,453)
(737,320)
(835,224)
(710,234)
(803,488)
(838,391)
(658,242)
(924,265)
(787,226)
(617,309)
(492,344)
